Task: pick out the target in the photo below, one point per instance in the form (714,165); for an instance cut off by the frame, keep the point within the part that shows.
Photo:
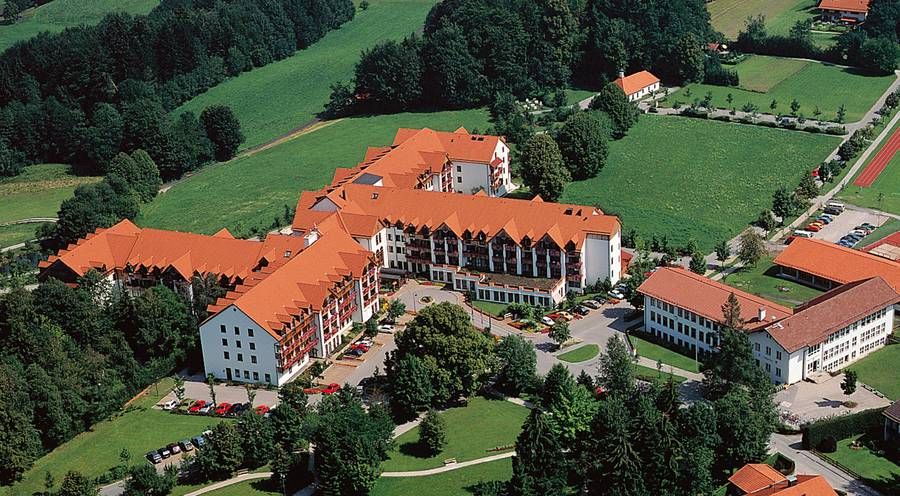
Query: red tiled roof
(836,263)
(473,213)
(636,82)
(892,241)
(753,477)
(845,5)
(893,412)
(805,485)
(705,297)
(816,319)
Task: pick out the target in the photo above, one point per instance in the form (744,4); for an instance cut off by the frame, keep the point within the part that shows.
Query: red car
(195,408)
(331,388)
(262,410)
(222,409)
(813,228)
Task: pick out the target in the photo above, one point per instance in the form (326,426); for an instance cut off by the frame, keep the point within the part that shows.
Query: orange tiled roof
(636,82)
(805,485)
(836,263)
(845,5)
(816,319)
(126,245)
(460,213)
(277,293)
(753,477)
(705,297)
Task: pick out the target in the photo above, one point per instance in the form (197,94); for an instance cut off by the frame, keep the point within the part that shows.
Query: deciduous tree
(518,364)
(752,247)
(583,143)
(542,167)
(433,432)
(223,129)
(613,101)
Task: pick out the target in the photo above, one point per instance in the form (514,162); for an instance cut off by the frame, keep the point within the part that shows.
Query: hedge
(841,427)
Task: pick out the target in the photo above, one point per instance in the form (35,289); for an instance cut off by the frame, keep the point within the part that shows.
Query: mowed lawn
(17,233)
(580,354)
(472,430)
(58,15)
(140,429)
(253,190)
(884,193)
(875,469)
(877,370)
(453,483)
(812,84)
(273,100)
(259,487)
(689,178)
(729,16)
(662,354)
(762,280)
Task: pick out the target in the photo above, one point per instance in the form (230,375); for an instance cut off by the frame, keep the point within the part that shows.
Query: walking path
(450,466)
(808,463)
(229,482)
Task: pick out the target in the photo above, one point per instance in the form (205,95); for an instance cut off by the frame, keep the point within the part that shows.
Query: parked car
(170,405)
(331,388)
(354,352)
(198,441)
(582,310)
(869,226)
(547,320)
(386,328)
(164,453)
(154,457)
(591,304)
(174,448)
(196,406)
(833,211)
(186,445)
(566,315)
(812,228)
(800,233)
(207,408)
(617,294)
(262,410)
(222,408)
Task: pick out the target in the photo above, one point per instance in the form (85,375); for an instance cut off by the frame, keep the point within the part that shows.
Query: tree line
(472,50)
(83,95)
(872,46)
(72,356)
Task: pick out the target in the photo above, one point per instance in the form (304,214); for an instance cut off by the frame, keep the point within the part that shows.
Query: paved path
(229,482)
(449,467)
(808,463)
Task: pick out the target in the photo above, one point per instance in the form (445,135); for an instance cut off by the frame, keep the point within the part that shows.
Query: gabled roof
(818,318)
(804,485)
(861,6)
(753,477)
(836,263)
(705,297)
(519,219)
(281,291)
(893,412)
(636,82)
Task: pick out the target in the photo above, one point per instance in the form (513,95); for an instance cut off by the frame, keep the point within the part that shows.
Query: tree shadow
(827,403)
(414,449)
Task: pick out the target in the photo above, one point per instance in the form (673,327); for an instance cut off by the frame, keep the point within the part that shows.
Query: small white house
(637,85)
(844,11)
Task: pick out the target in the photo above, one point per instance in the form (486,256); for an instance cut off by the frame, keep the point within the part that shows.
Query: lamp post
(415,298)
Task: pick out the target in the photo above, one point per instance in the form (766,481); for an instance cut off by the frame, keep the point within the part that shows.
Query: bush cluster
(840,427)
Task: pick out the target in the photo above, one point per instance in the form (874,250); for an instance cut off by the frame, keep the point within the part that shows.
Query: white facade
(601,257)
(646,90)
(835,352)
(680,326)
(236,348)
(469,177)
(837,15)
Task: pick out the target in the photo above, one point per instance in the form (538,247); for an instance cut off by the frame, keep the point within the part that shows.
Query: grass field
(877,370)
(690,178)
(262,487)
(140,430)
(580,354)
(762,279)
(60,14)
(812,84)
(471,431)
(273,100)
(884,193)
(875,469)
(454,483)
(662,354)
(728,16)
(253,190)
(646,373)
(890,227)
(18,233)
(489,307)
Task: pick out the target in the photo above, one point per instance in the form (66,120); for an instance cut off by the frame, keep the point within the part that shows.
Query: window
(237,373)
(237,331)
(268,378)
(252,358)
(237,344)
(240,357)
(756,346)
(246,374)
(222,328)
(777,372)
(252,346)
(250,332)
(778,355)
(226,355)
(458,168)
(768,351)
(459,179)
(390,237)
(256,376)
(768,367)
(224,342)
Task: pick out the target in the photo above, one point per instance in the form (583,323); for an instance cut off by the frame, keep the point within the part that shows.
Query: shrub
(836,130)
(723,118)
(784,464)
(840,427)
(828,445)
(812,129)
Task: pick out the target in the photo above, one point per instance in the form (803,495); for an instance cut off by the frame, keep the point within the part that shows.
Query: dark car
(199,441)
(235,410)
(580,310)
(154,457)
(164,452)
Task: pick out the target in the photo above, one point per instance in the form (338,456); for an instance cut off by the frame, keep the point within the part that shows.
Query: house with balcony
(844,11)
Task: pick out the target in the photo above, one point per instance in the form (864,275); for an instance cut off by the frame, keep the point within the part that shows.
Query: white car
(617,294)
(386,327)
(207,408)
(169,405)
(547,320)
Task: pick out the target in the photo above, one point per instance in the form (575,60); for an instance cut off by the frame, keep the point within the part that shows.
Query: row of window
(240,357)
(247,374)
(684,314)
(505,297)
(769,351)
(237,330)
(709,337)
(237,344)
(769,369)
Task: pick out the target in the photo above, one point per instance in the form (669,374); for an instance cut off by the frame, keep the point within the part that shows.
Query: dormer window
(287,254)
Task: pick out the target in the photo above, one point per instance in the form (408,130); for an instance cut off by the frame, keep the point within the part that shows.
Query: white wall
(602,257)
(469,176)
(214,361)
(696,331)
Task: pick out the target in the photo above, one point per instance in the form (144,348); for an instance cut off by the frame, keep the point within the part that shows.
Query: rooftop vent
(762,314)
(287,254)
(375,196)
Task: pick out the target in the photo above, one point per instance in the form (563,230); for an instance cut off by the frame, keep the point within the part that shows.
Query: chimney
(792,480)
(310,237)
(762,314)
(621,74)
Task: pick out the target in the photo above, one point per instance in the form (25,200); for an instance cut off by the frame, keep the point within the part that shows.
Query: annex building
(430,204)
(824,334)
(759,479)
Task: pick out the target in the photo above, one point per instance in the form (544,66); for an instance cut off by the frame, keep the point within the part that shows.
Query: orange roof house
(638,84)
(827,264)
(856,6)
(759,479)
(754,477)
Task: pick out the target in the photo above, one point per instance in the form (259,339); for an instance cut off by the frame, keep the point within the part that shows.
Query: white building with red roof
(846,11)
(637,85)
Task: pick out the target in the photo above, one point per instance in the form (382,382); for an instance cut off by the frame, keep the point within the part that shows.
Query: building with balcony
(824,334)
(844,11)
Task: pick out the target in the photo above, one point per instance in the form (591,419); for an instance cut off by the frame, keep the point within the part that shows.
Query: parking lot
(196,389)
(811,401)
(352,370)
(846,222)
